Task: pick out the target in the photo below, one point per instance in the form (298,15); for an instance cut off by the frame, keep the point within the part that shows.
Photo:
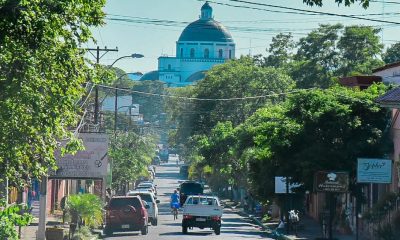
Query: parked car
(147,184)
(184,170)
(126,213)
(189,188)
(149,198)
(202,212)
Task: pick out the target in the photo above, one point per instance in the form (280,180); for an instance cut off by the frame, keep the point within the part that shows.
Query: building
(389,73)
(203,44)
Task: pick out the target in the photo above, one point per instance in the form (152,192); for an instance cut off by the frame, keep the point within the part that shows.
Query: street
(234,226)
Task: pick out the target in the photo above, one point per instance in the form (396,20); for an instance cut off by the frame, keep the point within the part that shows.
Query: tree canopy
(392,54)
(42,74)
(364,3)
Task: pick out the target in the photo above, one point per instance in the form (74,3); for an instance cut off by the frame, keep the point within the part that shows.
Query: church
(202,44)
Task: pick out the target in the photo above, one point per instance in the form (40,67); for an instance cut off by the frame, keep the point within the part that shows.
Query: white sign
(371,170)
(280,185)
(89,163)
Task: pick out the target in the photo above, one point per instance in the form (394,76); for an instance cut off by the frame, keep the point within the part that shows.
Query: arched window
(220,53)
(230,54)
(181,52)
(206,53)
(192,52)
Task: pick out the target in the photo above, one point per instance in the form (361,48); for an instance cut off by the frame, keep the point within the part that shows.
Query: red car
(126,213)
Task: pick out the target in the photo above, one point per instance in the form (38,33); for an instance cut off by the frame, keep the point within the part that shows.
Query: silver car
(149,198)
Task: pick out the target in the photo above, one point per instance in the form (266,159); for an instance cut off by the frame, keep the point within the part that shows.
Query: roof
(196,76)
(206,6)
(361,81)
(153,75)
(387,66)
(390,98)
(206,30)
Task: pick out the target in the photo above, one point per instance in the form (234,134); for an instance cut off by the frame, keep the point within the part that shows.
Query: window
(192,52)
(230,54)
(169,66)
(181,52)
(206,53)
(220,53)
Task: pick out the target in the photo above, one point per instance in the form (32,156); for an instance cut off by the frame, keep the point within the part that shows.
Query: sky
(152,27)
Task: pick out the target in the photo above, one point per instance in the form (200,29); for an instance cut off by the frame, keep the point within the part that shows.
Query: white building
(389,73)
(202,44)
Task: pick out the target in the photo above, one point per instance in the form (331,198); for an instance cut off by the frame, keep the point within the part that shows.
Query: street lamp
(134,55)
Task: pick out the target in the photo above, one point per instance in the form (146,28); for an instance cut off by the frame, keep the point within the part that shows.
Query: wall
(391,75)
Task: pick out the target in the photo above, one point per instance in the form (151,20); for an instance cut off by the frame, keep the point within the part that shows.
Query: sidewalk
(311,230)
(29,232)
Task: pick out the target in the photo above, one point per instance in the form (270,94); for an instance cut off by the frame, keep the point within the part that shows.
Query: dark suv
(127,213)
(189,188)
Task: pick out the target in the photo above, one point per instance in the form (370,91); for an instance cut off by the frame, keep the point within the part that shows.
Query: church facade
(202,44)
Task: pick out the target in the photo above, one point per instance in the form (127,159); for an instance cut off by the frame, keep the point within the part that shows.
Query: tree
(317,57)
(365,3)
(359,48)
(130,155)
(318,130)
(42,73)
(392,54)
(10,217)
(152,105)
(239,78)
(280,51)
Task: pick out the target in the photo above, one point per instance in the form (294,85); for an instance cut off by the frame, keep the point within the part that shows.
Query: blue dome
(153,75)
(206,31)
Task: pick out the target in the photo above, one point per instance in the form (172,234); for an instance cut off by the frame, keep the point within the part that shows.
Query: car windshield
(122,202)
(202,201)
(148,185)
(191,188)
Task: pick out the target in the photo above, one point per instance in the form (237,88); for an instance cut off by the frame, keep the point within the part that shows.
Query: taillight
(142,212)
(187,216)
(215,218)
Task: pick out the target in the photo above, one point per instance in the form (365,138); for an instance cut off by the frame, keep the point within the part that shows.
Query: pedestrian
(63,205)
(108,195)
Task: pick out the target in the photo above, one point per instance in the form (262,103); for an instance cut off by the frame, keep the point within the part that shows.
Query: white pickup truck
(203,212)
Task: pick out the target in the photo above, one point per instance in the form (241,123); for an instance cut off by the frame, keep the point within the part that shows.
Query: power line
(204,99)
(310,11)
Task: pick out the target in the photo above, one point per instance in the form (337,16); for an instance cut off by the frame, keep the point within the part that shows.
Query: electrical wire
(205,99)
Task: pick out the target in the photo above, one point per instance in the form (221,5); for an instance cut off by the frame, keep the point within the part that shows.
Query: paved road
(167,176)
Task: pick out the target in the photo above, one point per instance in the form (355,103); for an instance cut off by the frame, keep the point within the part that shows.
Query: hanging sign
(90,163)
(331,182)
(370,170)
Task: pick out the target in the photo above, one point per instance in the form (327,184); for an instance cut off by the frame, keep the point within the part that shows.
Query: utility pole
(98,57)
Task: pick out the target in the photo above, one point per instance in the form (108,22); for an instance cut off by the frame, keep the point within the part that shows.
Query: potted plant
(84,209)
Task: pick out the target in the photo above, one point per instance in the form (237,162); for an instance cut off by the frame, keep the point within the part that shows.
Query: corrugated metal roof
(391,97)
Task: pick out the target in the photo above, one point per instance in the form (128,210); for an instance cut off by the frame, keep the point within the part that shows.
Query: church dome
(206,29)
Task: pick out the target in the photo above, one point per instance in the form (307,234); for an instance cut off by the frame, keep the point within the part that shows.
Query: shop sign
(370,170)
(280,185)
(336,182)
(90,163)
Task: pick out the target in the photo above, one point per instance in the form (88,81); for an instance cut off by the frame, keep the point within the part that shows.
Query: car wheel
(184,229)
(145,230)
(217,230)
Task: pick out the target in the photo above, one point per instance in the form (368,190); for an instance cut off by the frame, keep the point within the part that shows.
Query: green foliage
(130,154)
(42,73)
(364,3)
(154,105)
(83,233)
(10,217)
(87,208)
(280,51)
(392,54)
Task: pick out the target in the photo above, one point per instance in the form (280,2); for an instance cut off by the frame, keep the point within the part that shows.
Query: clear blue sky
(142,28)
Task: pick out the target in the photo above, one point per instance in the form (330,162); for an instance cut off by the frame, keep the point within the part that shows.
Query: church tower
(206,12)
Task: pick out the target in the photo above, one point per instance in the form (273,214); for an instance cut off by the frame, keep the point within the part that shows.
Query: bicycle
(175,207)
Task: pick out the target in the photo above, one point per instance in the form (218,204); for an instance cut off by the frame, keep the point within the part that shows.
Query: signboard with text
(335,182)
(370,170)
(280,185)
(90,163)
